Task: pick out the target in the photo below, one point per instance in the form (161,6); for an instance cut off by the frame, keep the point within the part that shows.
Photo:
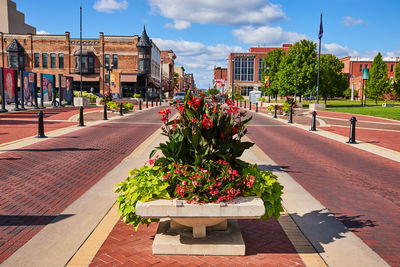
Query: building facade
(245,69)
(220,80)
(167,71)
(353,68)
(109,63)
(13,21)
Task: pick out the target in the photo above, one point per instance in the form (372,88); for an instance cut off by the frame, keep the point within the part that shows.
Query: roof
(144,39)
(15,46)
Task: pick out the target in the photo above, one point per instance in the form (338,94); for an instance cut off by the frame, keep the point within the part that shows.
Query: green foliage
(272,63)
(127,107)
(377,111)
(142,184)
(238,96)
(262,99)
(267,188)
(213,92)
(91,96)
(112,106)
(107,97)
(136,96)
(205,132)
(378,83)
(347,93)
(305,52)
(333,82)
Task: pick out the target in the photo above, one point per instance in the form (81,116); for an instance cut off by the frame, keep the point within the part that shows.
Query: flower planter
(200,229)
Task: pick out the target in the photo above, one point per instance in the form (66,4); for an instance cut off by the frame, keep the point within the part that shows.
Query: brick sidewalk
(266,245)
(39,181)
(23,124)
(361,189)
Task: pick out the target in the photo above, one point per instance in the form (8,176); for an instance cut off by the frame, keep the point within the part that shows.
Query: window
(115,61)
(44,60)
(36,60)
(52,60)
(360,67)
(91,63)
(84,63)
(391,68)
(12,61)
(366,66)
(244,69)
(61,61)
(106,60)
(107,78)
(21,61)
(141,65)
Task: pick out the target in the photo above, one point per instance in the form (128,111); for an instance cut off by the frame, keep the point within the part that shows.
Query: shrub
(136,95)
(91,96)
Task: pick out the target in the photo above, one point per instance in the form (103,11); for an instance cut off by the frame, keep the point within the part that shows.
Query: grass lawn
(383,112)
(337,103)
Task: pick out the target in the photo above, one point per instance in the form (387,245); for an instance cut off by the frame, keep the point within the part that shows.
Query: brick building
(189,83)
(109,63)
(354,67)
(247,68)
(167,69)
(220,80)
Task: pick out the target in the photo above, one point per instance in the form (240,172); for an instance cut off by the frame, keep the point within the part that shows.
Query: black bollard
(256,106)
(290,115)
(156,103)
(313,121)
(240,103)
(105,112)
(147,102)
(245,103)
(352,138)
(140,104)
(40,126)
(249,105)
(121,112)
(275,111)
(81,124)
(152,103)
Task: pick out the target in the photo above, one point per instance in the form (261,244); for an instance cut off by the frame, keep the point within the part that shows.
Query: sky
(202,33)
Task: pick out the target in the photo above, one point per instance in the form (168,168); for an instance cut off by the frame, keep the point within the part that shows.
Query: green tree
(378,83)
(396,84)
(305,52)
(332,82)
(271,63)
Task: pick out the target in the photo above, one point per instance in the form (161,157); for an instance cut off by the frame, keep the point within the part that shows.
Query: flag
(321,29)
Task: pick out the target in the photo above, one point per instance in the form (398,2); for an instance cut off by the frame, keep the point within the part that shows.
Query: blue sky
(202,33)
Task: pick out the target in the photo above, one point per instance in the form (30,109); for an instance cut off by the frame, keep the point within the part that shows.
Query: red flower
(207,123)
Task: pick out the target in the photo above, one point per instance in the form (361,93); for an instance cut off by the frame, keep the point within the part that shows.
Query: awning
(85,78)
(128,78)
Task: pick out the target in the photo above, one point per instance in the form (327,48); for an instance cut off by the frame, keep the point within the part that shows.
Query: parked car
(179,96)
(98,94)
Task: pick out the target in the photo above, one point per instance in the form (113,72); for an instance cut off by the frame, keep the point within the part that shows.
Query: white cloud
(179,25)
(266,35)
(108,6)
(198,58)
(350,21)
(42,32)
(222,12)
(338,50)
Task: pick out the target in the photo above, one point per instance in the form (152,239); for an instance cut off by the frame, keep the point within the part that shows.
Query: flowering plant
(200,162)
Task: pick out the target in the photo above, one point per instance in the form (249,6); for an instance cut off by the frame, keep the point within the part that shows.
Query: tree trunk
(325,99)
(276,98)
(300,99)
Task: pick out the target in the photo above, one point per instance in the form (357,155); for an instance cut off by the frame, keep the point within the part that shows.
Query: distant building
(189,83)
(247,68)
(220,78)
(353,67)
(13,21)
(167,69)
(179,77)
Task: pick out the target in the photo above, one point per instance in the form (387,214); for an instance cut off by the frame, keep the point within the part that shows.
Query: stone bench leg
(199,231)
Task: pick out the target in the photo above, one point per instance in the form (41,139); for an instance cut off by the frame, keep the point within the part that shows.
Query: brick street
(360,188)
(39,181)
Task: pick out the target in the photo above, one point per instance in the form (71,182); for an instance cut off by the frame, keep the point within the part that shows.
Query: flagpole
(80,58)
(319,56)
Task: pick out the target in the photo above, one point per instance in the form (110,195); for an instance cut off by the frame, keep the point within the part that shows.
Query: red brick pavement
(347,116)
(266,245)
(360,188)
(387,139)
(18,125)
(39,181)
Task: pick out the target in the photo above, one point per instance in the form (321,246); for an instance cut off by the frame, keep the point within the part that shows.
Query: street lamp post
(109,68)
(233,80)
(365,77)
(161,78)
(295,88)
